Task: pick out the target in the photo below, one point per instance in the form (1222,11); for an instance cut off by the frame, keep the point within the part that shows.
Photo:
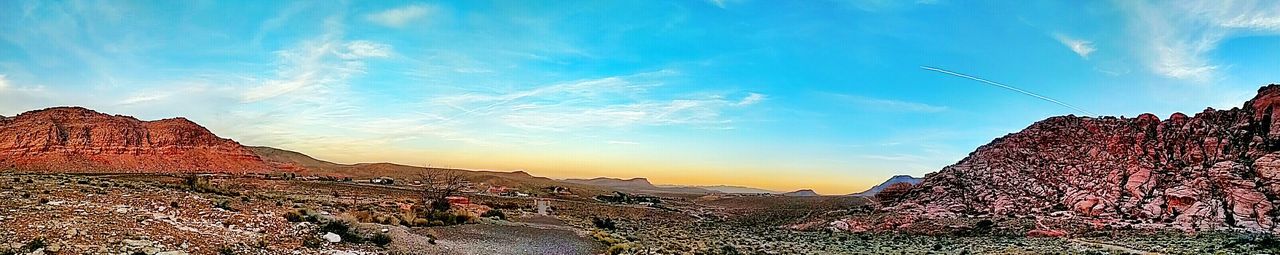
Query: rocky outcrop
(1217,169)
(79,140)
(891,181)
(801,193)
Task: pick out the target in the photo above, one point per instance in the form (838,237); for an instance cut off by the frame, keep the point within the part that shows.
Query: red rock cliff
(1220,168)
(73,139)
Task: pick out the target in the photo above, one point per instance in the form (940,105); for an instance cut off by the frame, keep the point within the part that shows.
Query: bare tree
(438,184)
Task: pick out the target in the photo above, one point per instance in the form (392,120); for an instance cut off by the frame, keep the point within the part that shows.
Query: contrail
(997,84)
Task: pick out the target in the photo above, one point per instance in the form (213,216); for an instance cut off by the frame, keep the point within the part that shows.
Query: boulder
(331,237)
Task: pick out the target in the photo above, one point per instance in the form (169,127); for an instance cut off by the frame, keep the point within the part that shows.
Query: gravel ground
(512,239)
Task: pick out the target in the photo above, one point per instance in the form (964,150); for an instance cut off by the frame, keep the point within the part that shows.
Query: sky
(834,96)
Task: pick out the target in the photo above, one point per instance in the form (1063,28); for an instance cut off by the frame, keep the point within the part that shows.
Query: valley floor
(137,214)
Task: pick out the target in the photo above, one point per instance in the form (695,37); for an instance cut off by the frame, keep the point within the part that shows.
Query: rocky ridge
(871,192)
(1218,169)
(79,140)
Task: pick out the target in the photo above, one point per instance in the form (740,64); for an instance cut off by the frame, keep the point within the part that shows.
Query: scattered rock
(331,237)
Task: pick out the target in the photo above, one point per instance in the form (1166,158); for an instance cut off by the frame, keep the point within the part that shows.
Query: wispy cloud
(881,104)
(752,98)
(623,143)
(4,82)
(399,17)
(1177,36)
(617,101)
(717,3)
(1080,47)
(315,66)
(143,98)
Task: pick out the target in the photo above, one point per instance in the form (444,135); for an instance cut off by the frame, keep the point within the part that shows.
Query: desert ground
(163,214)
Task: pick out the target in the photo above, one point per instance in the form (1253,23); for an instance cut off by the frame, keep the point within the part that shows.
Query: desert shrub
(26,195)
(407,218)
(421,222)
(393,220)
(312,242)
(729,250)
(362,216)
(244,199)
(604,223)
(202,184)
(447,218)
(619,248)
(439,205)
(226,251)
(342,229)
(293,216)
(34,245)
(44,200)
(1261,241)
(984,226)
(223,204)
(380,239)
(173,204)
(494,213)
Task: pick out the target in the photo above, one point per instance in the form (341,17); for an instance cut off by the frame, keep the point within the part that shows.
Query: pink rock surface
(79,140)
(1217,169)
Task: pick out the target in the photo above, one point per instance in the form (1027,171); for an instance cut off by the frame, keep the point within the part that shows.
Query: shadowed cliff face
(1220,168)
(72,139)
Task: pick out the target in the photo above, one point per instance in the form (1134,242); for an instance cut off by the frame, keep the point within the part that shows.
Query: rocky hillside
(891,181)
(1217,169)
(73,139)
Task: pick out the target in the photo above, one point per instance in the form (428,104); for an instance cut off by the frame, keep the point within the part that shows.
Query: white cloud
(4,82)
(751,99)
(1177,37)
(399,17)
(1080,47)
(365,49)
(143,98)
(880,104)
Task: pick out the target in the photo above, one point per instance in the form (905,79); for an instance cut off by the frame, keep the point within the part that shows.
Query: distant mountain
(638,185)
(895,179)
(801,193)
(727,189)
(301,163)
(79,140)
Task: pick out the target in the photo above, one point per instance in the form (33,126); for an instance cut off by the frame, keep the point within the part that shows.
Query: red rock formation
(73,139)
(1220,168)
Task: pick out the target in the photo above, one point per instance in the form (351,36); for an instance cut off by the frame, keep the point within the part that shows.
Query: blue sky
(829,95)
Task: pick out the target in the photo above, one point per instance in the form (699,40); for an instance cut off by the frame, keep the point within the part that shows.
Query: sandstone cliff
(1217,169)
(78,140)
